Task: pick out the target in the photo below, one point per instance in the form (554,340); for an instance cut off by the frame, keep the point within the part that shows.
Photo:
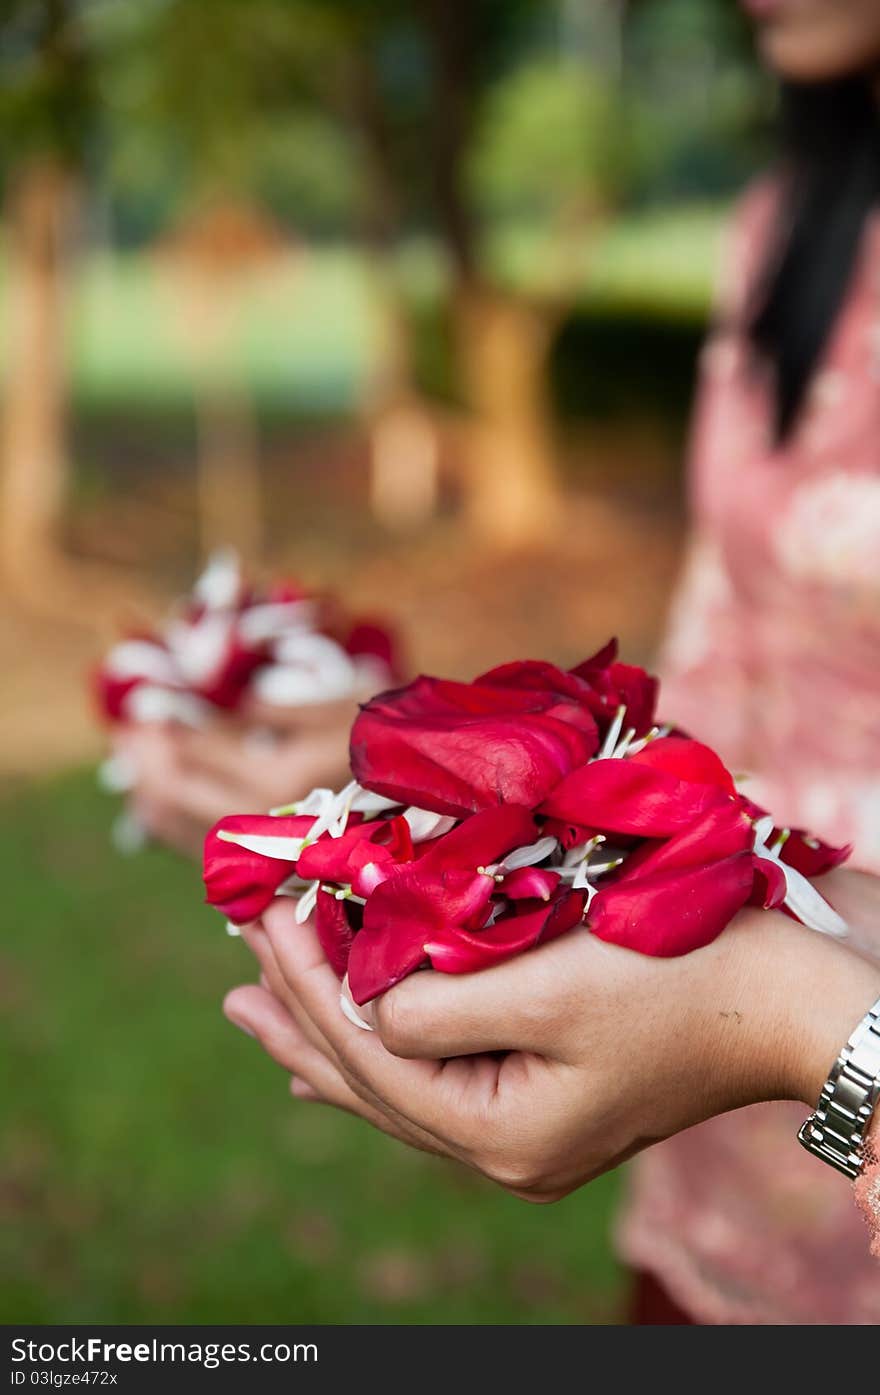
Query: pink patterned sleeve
(867,1187)
(704,683)
(704,660)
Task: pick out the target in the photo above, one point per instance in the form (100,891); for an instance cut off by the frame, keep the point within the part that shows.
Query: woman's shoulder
(747,242)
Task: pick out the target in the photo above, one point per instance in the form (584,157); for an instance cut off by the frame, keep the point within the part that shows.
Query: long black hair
(832,182)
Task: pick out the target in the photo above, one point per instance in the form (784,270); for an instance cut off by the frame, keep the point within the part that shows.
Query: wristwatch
(836,1131)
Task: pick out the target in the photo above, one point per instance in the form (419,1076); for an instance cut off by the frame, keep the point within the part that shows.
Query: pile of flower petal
(228,642)
(486,818)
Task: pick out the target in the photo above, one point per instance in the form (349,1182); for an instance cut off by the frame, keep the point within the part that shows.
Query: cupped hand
(185,779)
(547,1070)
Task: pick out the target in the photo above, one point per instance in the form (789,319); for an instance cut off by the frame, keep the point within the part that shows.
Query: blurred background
(400,298)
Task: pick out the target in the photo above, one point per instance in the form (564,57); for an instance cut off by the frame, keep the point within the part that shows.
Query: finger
(169,826)
(261,947)
(273,979)
(169,782)
(258,1013)
(257,773)
(416,1090)
(203,797)
(218,751)
(525,1004)
(150,751)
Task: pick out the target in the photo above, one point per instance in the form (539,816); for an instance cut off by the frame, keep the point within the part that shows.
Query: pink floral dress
(773,656)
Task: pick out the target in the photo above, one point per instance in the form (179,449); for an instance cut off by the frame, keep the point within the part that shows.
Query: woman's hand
(185,780)
(605,1050)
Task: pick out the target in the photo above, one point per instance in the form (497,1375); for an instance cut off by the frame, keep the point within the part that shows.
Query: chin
(821,53)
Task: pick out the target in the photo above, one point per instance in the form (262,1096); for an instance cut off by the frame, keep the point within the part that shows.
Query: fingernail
(241,1027)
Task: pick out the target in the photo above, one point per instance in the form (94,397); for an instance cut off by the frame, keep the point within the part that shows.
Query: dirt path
(460,610)
(45,722)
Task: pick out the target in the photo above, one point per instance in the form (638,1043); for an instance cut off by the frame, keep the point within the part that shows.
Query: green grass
(303,333)
(659,264)
(154,1167)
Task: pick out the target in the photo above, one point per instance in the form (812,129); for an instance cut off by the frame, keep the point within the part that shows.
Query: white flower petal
(293,886)
(307,903)
(315,802)
(366,802)
(308,668)
(265,845)
(623,746)
(612,736)
(117,773)
(350,1011)
(575,856)
(528,856)
(763,829)
(128,834)
(598,869)
(200,648)
(142,658)
(271,619)
(343,809)
(219,585)
(423,823)
(148,703)
(581,878)
(811,909)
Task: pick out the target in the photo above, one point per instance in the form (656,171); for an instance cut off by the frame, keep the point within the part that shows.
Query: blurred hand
(185,780)
(605,1050)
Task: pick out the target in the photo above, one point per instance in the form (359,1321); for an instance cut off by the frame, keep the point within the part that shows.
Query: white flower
(801,897)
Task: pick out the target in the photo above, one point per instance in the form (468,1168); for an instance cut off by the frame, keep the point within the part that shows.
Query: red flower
(799,849)
(677,895)
(334,931)
(242,880)
(618,685)
(111,692)
(383,841)
(659,791)
(507,738)
(599,684)
(368,640)
(456,748)
(224,684)
(530,884)
(565,817)
(140,659)
(673,912)
(210,648)
(456,951)
(448,888)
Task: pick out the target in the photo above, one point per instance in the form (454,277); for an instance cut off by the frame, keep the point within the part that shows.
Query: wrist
(811,992)
(843,1004)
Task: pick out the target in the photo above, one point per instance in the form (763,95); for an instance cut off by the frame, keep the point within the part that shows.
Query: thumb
(520,1005)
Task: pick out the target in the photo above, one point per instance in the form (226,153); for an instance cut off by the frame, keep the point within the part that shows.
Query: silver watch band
(836,1131)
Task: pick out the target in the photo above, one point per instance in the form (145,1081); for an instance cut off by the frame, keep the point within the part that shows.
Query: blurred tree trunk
(35,464)
(229,484)
(403,443)
(511,486)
